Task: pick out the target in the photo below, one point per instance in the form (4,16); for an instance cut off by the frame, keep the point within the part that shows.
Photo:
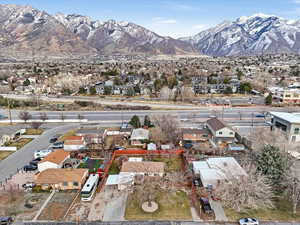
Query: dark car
(35,161)
(205,205)
(260,115)
(197,182)
(30,167)
(188,145)
(53,140)
(6,220)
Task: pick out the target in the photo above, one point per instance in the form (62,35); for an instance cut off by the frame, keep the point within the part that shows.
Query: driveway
(17,160)
(115,208)
(219,211)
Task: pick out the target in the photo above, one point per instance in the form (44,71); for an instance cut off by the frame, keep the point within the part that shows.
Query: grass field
(31,131)
(281,212)
(19,143)
(5,154)
(172,206)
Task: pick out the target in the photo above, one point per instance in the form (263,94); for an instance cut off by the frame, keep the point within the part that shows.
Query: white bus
(89,187)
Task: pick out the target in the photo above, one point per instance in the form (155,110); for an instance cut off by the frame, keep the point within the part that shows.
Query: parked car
(30,167)
(197,182)
(53,140)
(42,153)
(58,145)
(119,148)
(260,115)
(248,221)
(28,185)
(188,145)
(35,161)
(205,205)
(5,220)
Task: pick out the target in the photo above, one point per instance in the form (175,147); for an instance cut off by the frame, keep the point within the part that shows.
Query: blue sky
(174,18)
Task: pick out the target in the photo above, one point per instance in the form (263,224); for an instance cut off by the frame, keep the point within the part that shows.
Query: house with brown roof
(74,143)
(219,131)
(53,160)
(62,179)
(195,135)
(91,135)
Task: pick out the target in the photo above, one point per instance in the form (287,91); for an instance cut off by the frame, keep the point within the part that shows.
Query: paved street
(17,160)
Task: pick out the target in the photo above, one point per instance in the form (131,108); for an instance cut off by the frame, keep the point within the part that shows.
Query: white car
(248,221)
(42,153)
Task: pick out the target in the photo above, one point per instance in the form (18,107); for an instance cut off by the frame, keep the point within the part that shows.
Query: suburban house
(139,136)
(62,179)
(74,143)
(54,160)
(195,135)
(220,132)
(131,169)
(215,170)
(91,135)
(288,123)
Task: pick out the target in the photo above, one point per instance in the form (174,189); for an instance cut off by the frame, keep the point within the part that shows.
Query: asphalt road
(19,159)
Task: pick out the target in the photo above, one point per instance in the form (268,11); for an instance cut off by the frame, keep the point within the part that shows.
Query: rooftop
(215,124)
(54,176)
(289,117)
(56,157)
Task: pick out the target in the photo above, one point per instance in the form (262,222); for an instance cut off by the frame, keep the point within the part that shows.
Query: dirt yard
(21,205)
(58,206)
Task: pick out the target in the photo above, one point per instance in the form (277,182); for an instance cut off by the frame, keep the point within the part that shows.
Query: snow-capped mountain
(253,35)
(25,30)
(122,37)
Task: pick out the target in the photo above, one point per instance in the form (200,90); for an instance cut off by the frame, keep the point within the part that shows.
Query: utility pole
(252,119)
(9,111)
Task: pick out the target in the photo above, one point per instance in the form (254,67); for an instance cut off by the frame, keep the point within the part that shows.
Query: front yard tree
(135,121)
(293,190)
(157,136)
(147,121)
(269,99)
(24,115)
(92,91)
(273,163)
(252,191)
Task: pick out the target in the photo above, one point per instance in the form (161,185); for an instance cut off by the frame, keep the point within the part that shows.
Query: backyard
(173,164)
(172,206)
(91,164)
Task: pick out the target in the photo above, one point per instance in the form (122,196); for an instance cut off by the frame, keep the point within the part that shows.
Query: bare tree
(293,190)
(169,125)
(251,191)
(187,93)
(24,115)
(36,125)
(166,94)
(157,135)
(43,116)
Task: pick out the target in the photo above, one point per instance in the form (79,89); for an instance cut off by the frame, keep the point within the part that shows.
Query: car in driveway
(28,185)
(30,167)
(42,153)
(5,220)
(58,145)
(53,140)
(205,205)
(248,221)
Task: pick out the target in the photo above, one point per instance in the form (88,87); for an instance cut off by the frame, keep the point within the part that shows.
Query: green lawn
(172,206)
(19,143)
(281,212)
(5,154)
(114,169)
(92,164)
(172,164)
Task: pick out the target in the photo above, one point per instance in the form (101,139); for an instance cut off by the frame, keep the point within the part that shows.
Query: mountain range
(25,31)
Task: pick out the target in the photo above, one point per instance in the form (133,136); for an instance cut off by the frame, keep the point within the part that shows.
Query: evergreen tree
(147,121)
(269,99)
(135,122)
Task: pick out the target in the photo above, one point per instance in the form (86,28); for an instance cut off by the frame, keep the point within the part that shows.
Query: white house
(74,143)
(220,132)
(54,160)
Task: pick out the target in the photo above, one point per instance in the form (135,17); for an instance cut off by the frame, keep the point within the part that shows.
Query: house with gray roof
(220,131)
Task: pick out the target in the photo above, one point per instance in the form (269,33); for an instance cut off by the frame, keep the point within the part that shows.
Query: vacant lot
(281,212)
(5,154)
(172,206)
(58,206)
(21,205)
(19,143)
